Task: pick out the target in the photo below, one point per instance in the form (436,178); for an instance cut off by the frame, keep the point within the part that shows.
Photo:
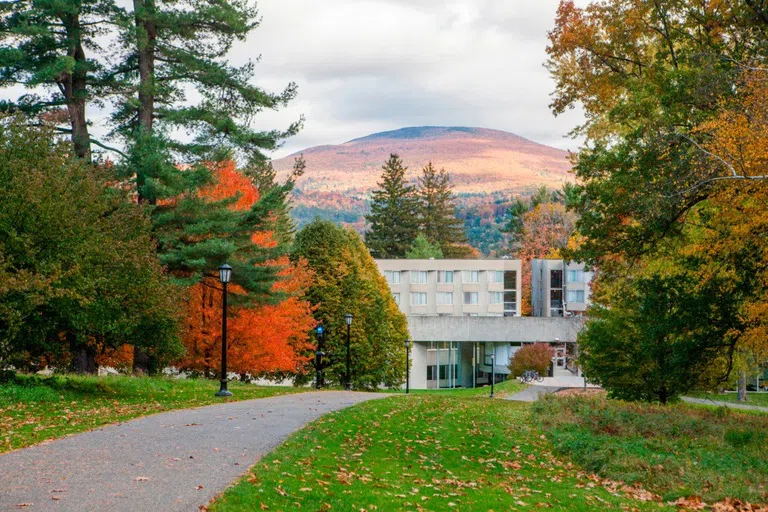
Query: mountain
(487,167)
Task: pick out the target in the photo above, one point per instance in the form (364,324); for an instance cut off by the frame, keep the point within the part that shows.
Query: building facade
(428,287)
(464,315)
(559,288)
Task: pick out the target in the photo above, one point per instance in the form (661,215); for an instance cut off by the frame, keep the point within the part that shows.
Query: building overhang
(494,329)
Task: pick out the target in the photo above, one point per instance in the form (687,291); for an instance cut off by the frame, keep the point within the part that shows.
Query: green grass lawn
(33,408)
(753,398)
(675,451)
(426,451)
(506,388)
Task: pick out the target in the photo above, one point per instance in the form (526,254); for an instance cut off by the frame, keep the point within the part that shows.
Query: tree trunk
(145,45)
(143,363)
(743,387)
(74,88)
(82,356)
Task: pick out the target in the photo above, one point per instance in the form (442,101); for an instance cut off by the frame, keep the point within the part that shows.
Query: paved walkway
(532,393)
(174,461)
(707,401)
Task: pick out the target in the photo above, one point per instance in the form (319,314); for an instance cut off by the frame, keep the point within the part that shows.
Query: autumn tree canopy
(267,333)
(671,175)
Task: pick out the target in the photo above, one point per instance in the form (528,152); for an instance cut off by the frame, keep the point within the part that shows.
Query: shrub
(531,357)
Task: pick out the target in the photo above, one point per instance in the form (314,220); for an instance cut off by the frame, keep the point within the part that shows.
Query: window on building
(471,298)
(418,299)
(495,276)
(396,296)
(392,277)
(419,277)
(575,276)
(495,297)
(575,296)
(510,280)
(444,298)
(445,276)
(510,303)
(556,302)
(555,278)
(471,276)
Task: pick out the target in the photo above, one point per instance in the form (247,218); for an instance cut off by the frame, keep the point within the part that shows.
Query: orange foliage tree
(263,337)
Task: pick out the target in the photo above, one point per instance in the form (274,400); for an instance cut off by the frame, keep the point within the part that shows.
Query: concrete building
(455,287)
(461,311)
(559,288)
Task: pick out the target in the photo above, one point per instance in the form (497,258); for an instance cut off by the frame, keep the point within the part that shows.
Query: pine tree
(422,249)
(44,45)
(437,212)
(394,213)
(264,177)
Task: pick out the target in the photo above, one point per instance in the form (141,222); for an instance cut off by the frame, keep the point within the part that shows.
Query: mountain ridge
(488,167)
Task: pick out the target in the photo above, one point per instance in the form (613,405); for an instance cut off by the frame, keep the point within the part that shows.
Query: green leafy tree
(78,271)
(347,280)
(662,333)
(393,220)
(437,212)
(422,249)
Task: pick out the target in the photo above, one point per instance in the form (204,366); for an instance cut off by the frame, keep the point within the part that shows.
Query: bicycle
(530,376)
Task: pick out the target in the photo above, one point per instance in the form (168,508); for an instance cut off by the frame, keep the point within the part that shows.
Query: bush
(674,450)
(531,357)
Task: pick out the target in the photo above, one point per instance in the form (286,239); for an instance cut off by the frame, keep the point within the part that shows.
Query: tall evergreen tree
(394,213)
(44,45)
(437,212)
(177,50)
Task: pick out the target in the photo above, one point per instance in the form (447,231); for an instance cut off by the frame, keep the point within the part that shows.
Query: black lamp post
(493,370)
(348,321)
(320,333)
(407,366)
(225,274)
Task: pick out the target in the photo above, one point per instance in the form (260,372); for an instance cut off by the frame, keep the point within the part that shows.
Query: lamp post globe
(348,321)
(407,366)
(225,275)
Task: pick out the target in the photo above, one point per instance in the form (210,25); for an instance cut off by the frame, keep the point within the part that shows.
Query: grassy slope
(760,399)
(674,451)
(427,451)
(33,409)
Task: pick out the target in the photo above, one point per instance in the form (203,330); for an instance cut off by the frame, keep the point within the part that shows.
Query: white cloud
(372,65)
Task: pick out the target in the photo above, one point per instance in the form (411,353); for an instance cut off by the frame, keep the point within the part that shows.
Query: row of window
(447,277)
(470,298)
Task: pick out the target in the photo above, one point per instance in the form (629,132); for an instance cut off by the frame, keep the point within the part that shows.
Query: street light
(493,370)
(320,333)
(225,275)
(348,321)
(407,366)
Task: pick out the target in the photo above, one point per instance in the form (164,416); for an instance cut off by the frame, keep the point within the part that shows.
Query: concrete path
(532,393)
(174,461)
(707,401)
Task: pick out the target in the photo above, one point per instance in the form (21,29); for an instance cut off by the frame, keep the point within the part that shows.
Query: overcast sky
(364,66)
